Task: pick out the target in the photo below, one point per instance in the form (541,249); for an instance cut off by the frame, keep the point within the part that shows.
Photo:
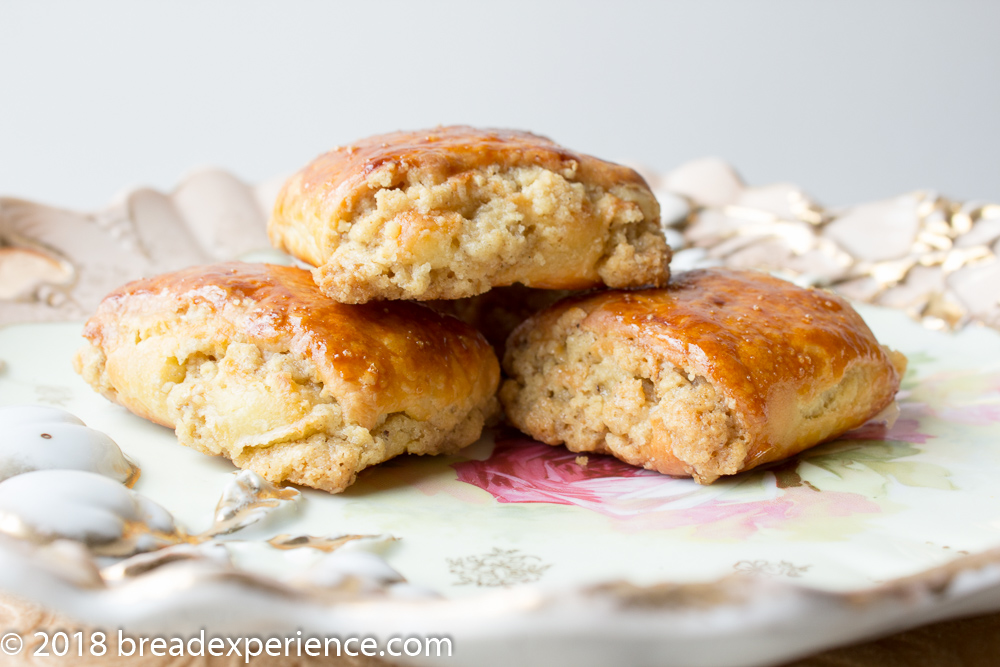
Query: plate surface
(883,503)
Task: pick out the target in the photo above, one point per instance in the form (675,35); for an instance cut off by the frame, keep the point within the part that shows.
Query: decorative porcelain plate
(514,550)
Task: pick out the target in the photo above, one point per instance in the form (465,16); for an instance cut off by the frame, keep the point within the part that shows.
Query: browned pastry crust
(451,212)
(251,361)
(720,372)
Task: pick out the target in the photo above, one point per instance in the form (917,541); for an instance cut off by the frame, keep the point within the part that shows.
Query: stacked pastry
(311,378)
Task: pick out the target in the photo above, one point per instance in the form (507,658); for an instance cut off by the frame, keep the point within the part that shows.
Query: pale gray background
(855,100)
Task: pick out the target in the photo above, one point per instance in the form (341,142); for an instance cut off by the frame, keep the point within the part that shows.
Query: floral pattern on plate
(847,480)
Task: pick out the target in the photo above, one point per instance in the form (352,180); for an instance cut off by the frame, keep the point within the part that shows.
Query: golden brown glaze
(376,358)
(784,358)
(747,331)
(343,174)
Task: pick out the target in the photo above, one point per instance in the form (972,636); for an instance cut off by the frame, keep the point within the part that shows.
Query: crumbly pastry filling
(488,227)
(610,395)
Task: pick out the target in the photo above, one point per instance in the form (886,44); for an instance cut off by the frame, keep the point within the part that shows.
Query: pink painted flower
(521,470)
(904,430)
(740,520)
(967,398)
(972,415)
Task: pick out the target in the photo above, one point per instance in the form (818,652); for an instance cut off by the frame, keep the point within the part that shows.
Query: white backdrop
(854,100)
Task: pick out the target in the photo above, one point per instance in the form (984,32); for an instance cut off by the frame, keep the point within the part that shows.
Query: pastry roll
(451,212)
(252,362)
(720,372)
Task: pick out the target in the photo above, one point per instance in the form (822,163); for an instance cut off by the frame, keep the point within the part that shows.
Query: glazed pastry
(252,362)
(451,212)
(718,373)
